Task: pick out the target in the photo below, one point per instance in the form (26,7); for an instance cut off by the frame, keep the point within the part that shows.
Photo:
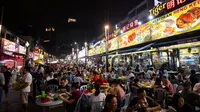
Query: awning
(145,47)
(127,50)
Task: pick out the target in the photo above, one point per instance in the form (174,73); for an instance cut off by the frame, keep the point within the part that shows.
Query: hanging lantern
(189,50)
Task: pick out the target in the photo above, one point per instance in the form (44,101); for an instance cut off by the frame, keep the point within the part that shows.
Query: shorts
(6,89)
(24,97)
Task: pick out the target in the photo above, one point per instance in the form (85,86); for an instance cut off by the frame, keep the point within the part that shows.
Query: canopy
(39,61)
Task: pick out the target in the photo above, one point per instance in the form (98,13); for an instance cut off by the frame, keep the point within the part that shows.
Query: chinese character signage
(8,45)
(182,20)
(171,4)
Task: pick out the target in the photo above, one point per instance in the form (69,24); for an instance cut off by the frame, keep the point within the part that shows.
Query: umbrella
(39,61)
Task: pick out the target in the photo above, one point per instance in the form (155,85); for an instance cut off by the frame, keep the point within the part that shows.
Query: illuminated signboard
(113,44)
(165,6)
(9,45)
(182,20)
(22,50)
(135,36)
(130,25)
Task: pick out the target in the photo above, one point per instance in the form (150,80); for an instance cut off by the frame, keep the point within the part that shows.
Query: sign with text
(135,36)
(171,4)
(8,45)
(182,20)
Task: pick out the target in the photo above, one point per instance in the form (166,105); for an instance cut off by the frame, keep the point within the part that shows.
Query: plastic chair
(52,88)
(160,96)
(126,98)
(82,88)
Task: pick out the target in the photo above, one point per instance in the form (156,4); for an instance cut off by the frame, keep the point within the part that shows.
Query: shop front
(12,55)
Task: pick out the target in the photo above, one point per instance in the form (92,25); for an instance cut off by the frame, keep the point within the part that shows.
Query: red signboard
(130,25)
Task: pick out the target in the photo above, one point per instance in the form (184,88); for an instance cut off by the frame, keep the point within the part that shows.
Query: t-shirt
(100,97)
(64,87)
(78,80)
(27,78)
(120,92)
(49,78)
(185,108)
(192,98)
(96,77)
(7,76)
(53,82)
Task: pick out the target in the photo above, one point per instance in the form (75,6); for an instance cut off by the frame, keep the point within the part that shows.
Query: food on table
(45,100)
(65,96)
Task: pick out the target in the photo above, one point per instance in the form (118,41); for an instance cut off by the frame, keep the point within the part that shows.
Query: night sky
(33,16)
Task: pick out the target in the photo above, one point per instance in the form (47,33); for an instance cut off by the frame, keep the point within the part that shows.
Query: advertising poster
(135,36)
(113,44)
(179,21)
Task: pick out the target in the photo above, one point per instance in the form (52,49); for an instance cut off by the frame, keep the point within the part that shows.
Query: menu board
(182,20)
(135,36)
(113,44)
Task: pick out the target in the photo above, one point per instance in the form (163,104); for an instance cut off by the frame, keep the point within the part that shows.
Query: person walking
(27,78)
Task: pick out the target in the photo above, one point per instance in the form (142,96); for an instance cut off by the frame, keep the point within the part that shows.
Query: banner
(182,20)
(135,36)
(113,44)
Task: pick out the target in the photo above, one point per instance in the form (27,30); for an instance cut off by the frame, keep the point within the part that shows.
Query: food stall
(12,54)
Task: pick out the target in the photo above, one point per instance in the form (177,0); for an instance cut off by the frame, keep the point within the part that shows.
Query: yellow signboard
(182,20)
(113,44)
(135,36)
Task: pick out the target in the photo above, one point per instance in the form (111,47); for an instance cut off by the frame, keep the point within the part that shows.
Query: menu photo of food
(189,19)
(156,31)
(113,44)
(146,33)
(169,27)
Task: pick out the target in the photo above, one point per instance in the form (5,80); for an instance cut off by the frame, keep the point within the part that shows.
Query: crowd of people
(144,87)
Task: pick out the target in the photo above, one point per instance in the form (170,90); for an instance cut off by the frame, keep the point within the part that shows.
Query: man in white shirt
(27,77)
(50,76)
(2,82)
(130,75)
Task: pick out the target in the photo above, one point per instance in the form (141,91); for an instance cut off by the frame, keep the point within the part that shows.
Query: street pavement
(14,104)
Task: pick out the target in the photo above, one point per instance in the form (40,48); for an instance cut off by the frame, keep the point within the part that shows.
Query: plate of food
(188,20)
